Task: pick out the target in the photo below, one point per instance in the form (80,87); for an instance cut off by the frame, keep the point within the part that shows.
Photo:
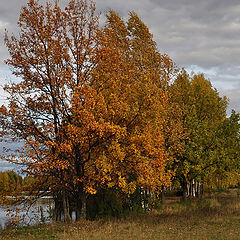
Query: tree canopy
(102,108)
(88,108)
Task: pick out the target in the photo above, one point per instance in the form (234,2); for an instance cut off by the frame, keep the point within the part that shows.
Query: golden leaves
(93,102)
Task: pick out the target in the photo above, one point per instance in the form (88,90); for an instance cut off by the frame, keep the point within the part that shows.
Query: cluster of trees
(211,147)
(9,182)
(13,185)
(100,109)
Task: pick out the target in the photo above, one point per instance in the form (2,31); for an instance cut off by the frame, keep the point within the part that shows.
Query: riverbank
(214,217)
(34,214)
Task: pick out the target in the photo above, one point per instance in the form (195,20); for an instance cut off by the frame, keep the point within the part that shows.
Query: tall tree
(88,115)
(196,97)
(10,185)
(140,51)
(226,170)
(54,55)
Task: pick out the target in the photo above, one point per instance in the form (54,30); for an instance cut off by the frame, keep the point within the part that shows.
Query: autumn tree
(140,51)
(136,42)
(11,184)
(90,116)
(203,113)
(54,55)
(225,172)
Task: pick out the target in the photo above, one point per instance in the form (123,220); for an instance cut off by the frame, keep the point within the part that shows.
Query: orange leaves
(89,189)
(93,102)
(3,110)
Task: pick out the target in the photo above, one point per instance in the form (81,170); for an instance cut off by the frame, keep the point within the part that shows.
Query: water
(39,212)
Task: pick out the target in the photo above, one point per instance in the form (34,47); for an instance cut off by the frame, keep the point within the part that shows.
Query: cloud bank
(203,36)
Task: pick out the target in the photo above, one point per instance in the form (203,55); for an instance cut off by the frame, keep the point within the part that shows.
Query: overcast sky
(203,36)
(200,35)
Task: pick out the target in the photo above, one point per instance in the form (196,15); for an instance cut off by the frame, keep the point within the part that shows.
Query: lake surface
(39,212)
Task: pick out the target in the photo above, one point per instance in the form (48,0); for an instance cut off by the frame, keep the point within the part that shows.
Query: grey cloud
(223,77)
(180,27)
(234,101)
(6,166)
(203,30)
(204,34)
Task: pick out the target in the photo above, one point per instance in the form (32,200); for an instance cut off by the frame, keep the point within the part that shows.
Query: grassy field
(215,217)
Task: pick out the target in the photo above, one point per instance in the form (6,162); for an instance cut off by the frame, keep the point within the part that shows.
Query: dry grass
(215,217)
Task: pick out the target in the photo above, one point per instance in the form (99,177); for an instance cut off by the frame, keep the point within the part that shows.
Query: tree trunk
(202,190)
(198,192)
(193,188)
(185,190)
(66,214)
(190,189)
(84,206)
(58,215)
(81,211)
(57,208)
(162,195)
(78,209)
